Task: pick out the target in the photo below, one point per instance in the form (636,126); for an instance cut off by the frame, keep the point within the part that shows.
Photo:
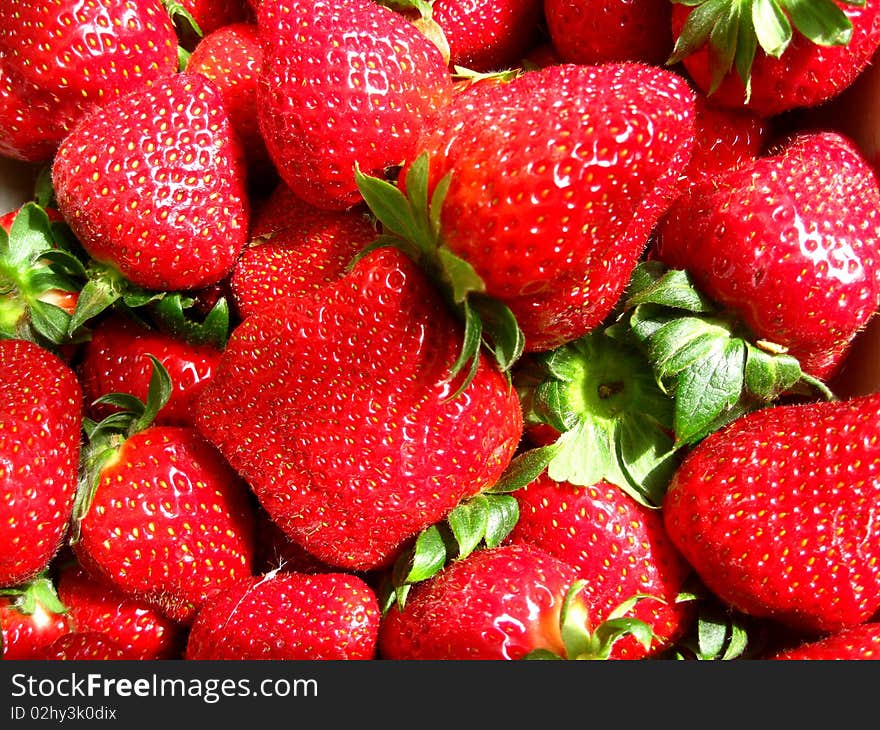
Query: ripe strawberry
(337,409)
(860,642)
(212,15)
(556,180)
(40,421)
(31,617)
(800,225)
(154,185)
(748,54)
(94,606)
(116,360)
(288,616)
(83,646)
(588,32)
(343,83)
(500,603)
(313,250)
(274,550)
(618,547)
(776,513)
(231,57)
(59,59)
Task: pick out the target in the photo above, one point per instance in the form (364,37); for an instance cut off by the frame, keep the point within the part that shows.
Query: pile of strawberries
(443,329)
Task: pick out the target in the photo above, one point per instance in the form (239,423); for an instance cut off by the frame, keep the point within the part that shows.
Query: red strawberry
(556,180)
(59,59)
(337,409)
(755,58)
(856,643)
(498,603)
(40,421)
(776,513)
(590,31)
(31,617)
(618,547)
(94,606)
(798,226)
(116,359)
(83,646)
(312,251)
(343,82)
(288,616)
(212,15)
(274,550)
(154,185)
(231,57)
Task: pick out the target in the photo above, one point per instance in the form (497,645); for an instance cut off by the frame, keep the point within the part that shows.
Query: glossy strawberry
(618,547)
(343,83)
(154,185)
(116,359)
(788,244)
(556,181)
(40,421)
(31,617)
(860,643)
(336,408)
(60,59)
(138,628)
(776,513)
(288,616)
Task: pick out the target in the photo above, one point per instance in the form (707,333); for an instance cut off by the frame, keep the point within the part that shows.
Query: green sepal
(469,522)
(170,313)
(525,467)
(44,191)
(105,286)
(182,19)
(39,590)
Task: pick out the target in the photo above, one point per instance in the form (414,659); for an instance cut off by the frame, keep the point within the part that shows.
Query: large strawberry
(341,410)
(860,642)
(288,616)
(555,181)
(40,421)
(777,513)
(153,185)
(343,83)
(774,55)
(787,244)
(60,59)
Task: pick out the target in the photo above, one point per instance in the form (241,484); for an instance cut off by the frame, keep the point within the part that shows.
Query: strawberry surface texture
(440,330)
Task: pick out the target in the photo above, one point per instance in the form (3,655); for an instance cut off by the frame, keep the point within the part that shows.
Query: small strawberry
(343,82)
(337,408)
(799,225)
(31,617)
(61,59)
(777,55)
(504,603)
(153,186)
(138,628)
(160,516)
(83,646)
(776,513)
(591,31)
(860,642)
(40,422)
(288,616)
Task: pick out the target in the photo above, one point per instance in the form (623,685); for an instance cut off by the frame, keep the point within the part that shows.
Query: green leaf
(468,522)
(388,204)
(697,28)
(501,519)
(103,288)
(182,18)
(158,394)
(768,375)
(171,313)
(50,321)
(772,27)
(460,275)
(429,555)
(501,332)
(674,288)
(822,21)
(525,467)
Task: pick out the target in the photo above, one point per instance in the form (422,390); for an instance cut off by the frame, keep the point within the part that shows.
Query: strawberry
(161,516)
(860,642)
(776,513)
(589,32)
(288,616)
(60,59)
(153,186)
(83,646)
(212,15)
(337,409)
(774,56)
(343,83)
(312,251)
(94,606)
(503,603)
(556,179)
(116,359)
(618,547)
(799,225)
(231,57)
(40,421)
(274,550)
(31,617)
